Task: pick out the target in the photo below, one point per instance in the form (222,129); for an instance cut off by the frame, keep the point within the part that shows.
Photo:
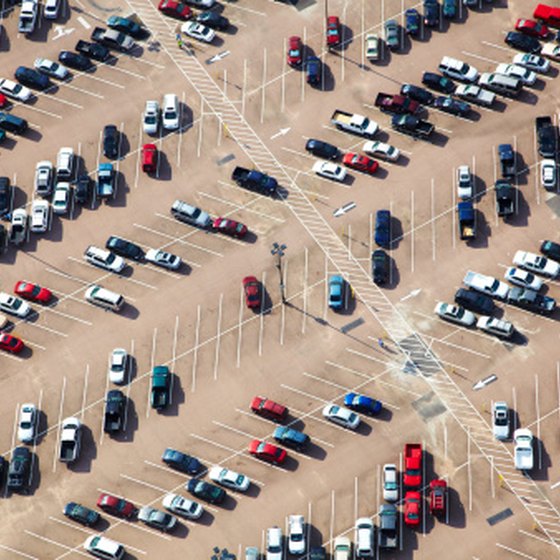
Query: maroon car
(270,409)
(116,506)
(252,289)
(294,56)
(32,292)
(176,10)
(230,227)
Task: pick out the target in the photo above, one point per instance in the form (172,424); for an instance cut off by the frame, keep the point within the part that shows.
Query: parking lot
(386,343)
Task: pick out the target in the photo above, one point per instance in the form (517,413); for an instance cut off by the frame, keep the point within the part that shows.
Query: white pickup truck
(70,440)
(475,94)
(357,124)
(523,453)
(486,284)
(28,16)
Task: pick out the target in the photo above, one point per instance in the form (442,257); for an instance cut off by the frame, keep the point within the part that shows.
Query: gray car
(392,34)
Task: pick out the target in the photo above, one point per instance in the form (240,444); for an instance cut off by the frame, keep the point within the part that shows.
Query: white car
(163,259)
(198,31)
(40,214)
(548,173)
(14,90)
(150,118)
(500,420)
(551,50)
(464,183)
(156,518)
(523,451)
(61,198)
(372,46)
(527,77)
(51,8)
(381,150)
(44,175)
(390,483)
(104,259)
(27,422)
(182,506)
(455,314)
(536,263)
(523,278)
(341,416)
(296,534)
(533,62)
(495,326)
(51,68)
(118,365)
(102,547)
(330,170)
(229,479)
(274,550)
(201,3)
(13,305)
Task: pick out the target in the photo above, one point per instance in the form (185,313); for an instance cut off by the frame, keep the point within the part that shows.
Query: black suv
(113,420)
(213,20)
(75,60)
(417,93)
(5,195)
(474,301)
(551,250)
(523,42)
(19,470)
(438,82)
(322,149)
(110,141)
(531,300)
(32,78)
(124,248)
(93,50)
(431,13)
(380,266)
(81,189)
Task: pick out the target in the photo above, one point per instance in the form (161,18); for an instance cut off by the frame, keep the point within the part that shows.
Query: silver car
(500,420)
(455,314)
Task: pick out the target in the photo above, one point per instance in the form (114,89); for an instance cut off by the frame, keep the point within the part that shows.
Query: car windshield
(121,505)
(391,486)
(294,52)
(495,285)
(196,213)
(15,303)
(150,119)
(26,425)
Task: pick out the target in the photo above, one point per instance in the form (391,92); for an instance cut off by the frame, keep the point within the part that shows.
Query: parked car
(230,227)
(537,264)
(116,506)
(532,62)
(291,438)
(213,20)
(527,77)
(412,508)
(176,10)
(230,479)
(27,423)
(206,491)
(531,27)
(550,249)
(455,314)
(372,46)
(6,196)
(294,56)
(110,141)
(363,404)
(390,483)
(341,416)
(61,197)
(360,163)
(182,506)
(475,301)
(51,9)
(102,547)
(381,150)
(19,471)
(163,259)
(452,106)
(380,267)
(32,78)
(552,51)
(392,34)
(81,514)
(464,183)
(151,117)
(437,82)
(333,31)
(313,70)
(198,31)
(158,519)
(495,326)
(269,409)
(128,26)
(500,420)
(296,535)
(10,343)
(118,365)
(32,292)
(337,292)
(523,42)
(322,149)
(523,278)
(449,8)
(14,306)
(181,461)
(252,291)
(548,173)
(267,452)
(382,231)
(431,13)
(124,248)
(417,93)
(274,550)
(412,21)
(329,170)
(104,259)
(14,90)
(75,60)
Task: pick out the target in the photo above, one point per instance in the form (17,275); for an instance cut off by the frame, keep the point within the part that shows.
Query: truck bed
(342,117)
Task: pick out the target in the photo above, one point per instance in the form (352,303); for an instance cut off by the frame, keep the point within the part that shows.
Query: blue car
(336,292)
(412,22)
(291,438)
(181,461)
(382,233)
(125,25)
(313,70)
(363,404)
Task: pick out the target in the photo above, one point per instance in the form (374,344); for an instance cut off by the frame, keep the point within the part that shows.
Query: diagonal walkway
(414,352)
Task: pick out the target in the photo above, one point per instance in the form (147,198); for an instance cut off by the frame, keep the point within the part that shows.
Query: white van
(104,298)
(105,548)
(497,327)
(64,164)
(506,85)
(364,538)
(170,112)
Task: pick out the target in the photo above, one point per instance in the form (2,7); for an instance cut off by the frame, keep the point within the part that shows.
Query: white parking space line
(239,327)
(516,552)
(152,364)
(383,362)
(72,317)
(71,525)
(65,102)
(235,430)
(19,552)
(124,71)
(103,80)
(33,108)
(35,344)
(196,345)
(56,543)
(84,91)
(218,339)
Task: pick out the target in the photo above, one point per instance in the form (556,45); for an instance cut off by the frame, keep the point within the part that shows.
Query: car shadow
(165,170)
(290,464)
(229,503)
(542,460)
(384,415)
(253,491)
(41,426)
(364,428)
(180,531)
(456,509)
(124,146)
(128,311)
(34,476)
(394,275)
(206,519)
(522,213)
(315,452)
(177,397)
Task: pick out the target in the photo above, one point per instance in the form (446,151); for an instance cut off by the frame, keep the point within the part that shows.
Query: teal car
(336,292)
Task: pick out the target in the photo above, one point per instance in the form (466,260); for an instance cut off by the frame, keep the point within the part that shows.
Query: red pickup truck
(396,103)
(550,15)
(412,465)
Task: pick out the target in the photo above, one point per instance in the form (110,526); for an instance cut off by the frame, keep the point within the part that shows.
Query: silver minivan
(506,85)
(105,548)
(104,298)
(497,327)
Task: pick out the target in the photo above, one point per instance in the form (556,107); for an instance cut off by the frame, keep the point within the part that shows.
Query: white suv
(458,69)
(104,259)
(170,109)
(364,538)
(464,182)
(390,483)
(40,212)
(274,549)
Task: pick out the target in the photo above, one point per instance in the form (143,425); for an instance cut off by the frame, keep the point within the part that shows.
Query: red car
(270,409)
(360,163)
(252,289)
(149,158)
(294,51)
(32,292)
(175,10)
(333,31)
(230,227)
(116,506)
(438,496)
(3,100)
(532,28)
(10,343)
(267,452)
(412,501)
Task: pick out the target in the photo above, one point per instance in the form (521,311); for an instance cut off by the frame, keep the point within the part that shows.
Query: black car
(475,301)
(32,78)
(322,149)
(380,267)
(206,491)
(75,60)
(113,421)
(438,82)
(291,438)
(81,514)
(452,106)
(81,189)
(523,42)
(124,248)
(551,250)
(531,300)
(431,13)
(313,70)
(19,470)
(181,461)
(318,553)
(110,141)
(125,25)
(93,50)
(412,22)
(5,195)
(417,93)
(213,20)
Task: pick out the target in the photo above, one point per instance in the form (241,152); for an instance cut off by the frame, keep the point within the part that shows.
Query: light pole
(278,250)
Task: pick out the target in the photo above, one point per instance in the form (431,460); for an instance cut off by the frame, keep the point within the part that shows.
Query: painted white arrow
(282,132)
(61,31)
(414,293)
(343,209)
(483,382)
(217,57)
